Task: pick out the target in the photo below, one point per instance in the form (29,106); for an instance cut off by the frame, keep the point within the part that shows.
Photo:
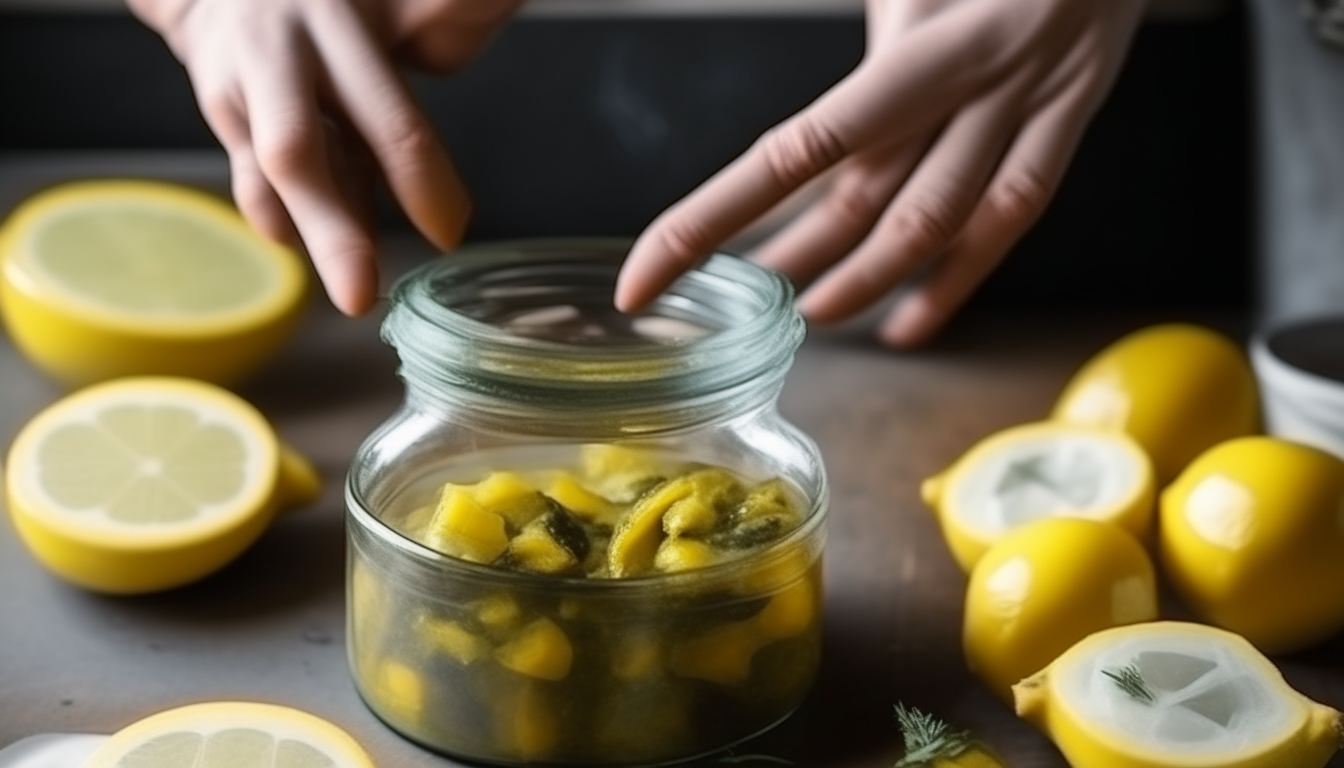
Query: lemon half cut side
(229,734)
(1176,694)
(1038,471)
(147,483)
(100,279)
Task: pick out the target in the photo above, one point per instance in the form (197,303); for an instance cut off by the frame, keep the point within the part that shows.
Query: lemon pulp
(231,735)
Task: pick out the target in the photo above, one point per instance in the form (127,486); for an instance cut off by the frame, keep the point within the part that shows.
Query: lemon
(1175,695)
(1177,389)
(1035,471)
(1252,539)
(142,484)
(231,734)
(101,279)
(1045,587)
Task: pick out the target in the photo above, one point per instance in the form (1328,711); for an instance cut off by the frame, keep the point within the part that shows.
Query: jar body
(502,666)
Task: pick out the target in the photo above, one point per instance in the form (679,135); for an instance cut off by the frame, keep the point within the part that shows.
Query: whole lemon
(1046,586)
(1252,538)
(1175,388)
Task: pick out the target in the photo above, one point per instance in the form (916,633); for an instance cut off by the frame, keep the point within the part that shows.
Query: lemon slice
(1252,539)
(101,279)
(1175,388)
(1176,695)
(1046,586)
(1035,471)
(147,483)
(229,734)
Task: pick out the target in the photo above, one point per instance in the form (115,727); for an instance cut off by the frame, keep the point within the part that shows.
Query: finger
(894,95)
(927,214)
(834,225)
(256,199)
(291,151)
(1020,191)
(380,107)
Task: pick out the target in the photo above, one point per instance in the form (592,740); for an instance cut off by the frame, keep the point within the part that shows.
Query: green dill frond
(1130,680)
(927,738)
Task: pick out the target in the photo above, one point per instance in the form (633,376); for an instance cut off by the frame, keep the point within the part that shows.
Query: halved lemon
(1046,586)
(1176,695)
(100,279)
(231,734)
(142,484)
(1036,471)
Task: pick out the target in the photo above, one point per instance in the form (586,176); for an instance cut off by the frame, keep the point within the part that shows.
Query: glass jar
(514,359)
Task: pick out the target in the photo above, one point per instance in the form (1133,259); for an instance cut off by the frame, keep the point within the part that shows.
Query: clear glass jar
(513,358)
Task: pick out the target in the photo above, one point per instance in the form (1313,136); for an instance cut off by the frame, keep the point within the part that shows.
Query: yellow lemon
(1177,389)
(1252,539)
(1037,471)
(1047,586)
(142,484)
(1175,695)
(231,734)
(101,279)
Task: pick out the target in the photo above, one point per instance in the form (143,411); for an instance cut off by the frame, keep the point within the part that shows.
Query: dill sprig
(927,738)
(1130,680)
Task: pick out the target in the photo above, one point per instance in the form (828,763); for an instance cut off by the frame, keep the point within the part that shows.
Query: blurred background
(587,117)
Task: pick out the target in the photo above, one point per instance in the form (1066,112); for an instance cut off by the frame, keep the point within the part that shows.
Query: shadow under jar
(517,366)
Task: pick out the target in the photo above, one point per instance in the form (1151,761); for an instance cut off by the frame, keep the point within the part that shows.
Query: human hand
(946,144)
(306,99)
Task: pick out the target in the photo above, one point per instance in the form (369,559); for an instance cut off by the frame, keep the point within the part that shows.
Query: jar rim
(450,321)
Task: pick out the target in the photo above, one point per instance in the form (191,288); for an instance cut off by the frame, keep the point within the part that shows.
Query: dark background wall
(569,127)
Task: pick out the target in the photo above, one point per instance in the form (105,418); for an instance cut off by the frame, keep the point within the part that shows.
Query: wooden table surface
(270,627)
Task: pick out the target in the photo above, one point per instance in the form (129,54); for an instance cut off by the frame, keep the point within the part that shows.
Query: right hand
(308,103)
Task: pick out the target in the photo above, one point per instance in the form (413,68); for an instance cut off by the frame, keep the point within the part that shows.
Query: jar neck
(524,337)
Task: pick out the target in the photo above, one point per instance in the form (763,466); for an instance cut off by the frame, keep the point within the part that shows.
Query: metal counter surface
(270,627)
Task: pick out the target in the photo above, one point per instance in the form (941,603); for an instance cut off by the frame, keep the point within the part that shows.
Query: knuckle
(1019,197)
(800,149)
(288,147)
(927,225)
(406,136)
(851,204)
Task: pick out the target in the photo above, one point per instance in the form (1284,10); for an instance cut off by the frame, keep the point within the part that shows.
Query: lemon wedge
(142,484)
(1045,587)
(1175,695)
(1252,539)
(1036,471)
(231,734)
(101,279)
(1175,388)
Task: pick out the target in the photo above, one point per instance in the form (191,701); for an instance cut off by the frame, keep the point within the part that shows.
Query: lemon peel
(230,734)
(1250,537)
(1035,471)
(100,279)
(1045,587)
(146,483)
(1216,702)
(1176,388)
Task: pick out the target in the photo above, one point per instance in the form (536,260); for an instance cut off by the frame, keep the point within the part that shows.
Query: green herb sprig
(1130,680)
(927,738)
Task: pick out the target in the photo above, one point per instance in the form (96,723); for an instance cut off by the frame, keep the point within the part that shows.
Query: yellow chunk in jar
(679,554)
(634,544)
(616,472)
(636,658)
(511,497)
(554,543)
(788,613)
(400,690)
(454,640)
(497,611)
(526,724)
(461,527)
(721,655)
(569,493)
(540,650)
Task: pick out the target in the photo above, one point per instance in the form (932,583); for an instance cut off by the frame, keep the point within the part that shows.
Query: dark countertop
(270,627)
